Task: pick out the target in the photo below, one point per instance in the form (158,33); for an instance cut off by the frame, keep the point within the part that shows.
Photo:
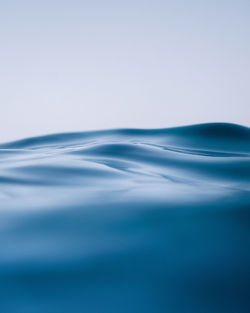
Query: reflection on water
(138,221)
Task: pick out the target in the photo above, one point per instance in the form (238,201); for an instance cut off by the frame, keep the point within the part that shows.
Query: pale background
(82,65)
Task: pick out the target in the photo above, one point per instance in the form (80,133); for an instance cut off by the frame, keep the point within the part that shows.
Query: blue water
(126,221)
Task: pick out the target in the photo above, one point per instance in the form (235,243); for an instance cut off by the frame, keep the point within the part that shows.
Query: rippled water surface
(126,221)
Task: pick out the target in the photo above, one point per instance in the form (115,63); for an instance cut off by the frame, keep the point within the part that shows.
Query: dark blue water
(126,221)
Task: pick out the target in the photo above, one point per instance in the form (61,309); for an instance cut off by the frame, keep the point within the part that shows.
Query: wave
(126,220)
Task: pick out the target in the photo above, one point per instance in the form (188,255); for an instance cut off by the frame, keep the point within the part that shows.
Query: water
(138,221)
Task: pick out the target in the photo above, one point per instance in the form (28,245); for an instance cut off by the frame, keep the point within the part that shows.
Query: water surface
(129,220)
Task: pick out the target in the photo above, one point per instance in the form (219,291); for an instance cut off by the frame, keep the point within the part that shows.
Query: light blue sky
(80,65)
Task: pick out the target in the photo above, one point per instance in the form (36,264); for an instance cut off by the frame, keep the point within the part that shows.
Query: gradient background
(82,65)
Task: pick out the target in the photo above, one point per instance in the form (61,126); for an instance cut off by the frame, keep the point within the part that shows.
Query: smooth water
(126,221)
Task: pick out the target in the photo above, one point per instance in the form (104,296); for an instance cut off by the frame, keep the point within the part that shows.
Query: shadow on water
(127,220)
